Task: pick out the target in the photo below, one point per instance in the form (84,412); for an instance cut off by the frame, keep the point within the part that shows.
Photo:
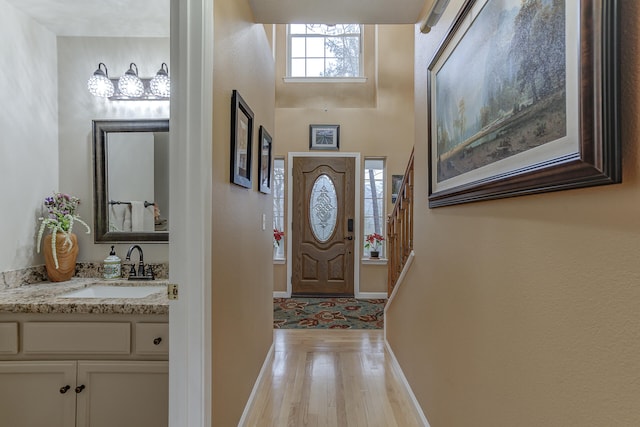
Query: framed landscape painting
(540,109)
(324,137)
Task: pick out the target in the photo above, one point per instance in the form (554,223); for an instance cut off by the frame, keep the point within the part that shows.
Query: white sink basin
(105,291)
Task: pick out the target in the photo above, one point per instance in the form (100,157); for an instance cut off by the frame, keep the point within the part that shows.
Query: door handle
(348,238)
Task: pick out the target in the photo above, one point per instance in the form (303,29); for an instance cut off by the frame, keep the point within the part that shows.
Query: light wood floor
(331,378)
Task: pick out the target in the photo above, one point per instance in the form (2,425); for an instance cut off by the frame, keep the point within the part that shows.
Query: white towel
(137,216)
(120,218)
(126,224)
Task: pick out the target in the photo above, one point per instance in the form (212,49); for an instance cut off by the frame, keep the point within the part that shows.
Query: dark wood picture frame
(324,137)
(265,143)
(592,97)
(241,141)
(101,200)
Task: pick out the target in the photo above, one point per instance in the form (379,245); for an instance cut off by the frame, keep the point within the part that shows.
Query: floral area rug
(328,313)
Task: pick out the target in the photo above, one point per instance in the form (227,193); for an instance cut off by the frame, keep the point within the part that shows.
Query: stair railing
(400,228)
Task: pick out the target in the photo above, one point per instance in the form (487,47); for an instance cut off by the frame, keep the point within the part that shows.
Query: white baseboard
(361,295)
(371,295)
(403,379)
(252,396)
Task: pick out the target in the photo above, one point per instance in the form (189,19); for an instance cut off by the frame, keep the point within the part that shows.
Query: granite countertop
(46,298)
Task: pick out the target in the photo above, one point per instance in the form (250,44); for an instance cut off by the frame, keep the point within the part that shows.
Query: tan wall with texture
(242,270)
(384,130)
(524,311)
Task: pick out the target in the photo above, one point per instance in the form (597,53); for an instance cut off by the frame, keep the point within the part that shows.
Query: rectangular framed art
(539,111)
(396,181)
(264,160)
(324,137)
(241,141)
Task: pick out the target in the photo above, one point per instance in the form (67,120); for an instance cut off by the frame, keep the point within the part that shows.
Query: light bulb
(160,84)
(130,84)
(99,84)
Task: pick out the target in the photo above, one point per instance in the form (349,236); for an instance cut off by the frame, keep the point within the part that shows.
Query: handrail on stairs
(400,228)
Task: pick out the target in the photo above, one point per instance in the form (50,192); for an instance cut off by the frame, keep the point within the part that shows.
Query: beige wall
(524,311)
(384,130)
(28,133)
(242,286)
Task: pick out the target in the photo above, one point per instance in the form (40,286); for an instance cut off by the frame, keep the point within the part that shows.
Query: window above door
(324,51)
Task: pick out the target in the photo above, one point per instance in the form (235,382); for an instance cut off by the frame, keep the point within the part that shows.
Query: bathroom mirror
(131,180)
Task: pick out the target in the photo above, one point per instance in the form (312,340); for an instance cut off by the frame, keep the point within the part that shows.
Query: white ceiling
(150,18)
(100,18)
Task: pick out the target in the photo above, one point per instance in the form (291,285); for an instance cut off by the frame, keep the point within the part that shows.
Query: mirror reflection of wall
(138,196)
(130,160)
(161,180)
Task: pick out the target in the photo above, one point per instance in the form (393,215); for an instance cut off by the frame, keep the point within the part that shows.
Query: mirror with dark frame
(131,180)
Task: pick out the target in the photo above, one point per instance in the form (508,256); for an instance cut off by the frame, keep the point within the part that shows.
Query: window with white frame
(319,50)
(278,206)
(374,201)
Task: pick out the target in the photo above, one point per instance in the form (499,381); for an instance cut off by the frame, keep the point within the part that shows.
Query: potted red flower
(373,242)
(277,236)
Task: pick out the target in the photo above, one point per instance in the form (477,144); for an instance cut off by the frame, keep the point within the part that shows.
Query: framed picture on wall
(264,161)
(540,111)
(396,180)
(241,141)
(324,137)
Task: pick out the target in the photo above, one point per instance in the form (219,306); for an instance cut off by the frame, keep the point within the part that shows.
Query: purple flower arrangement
(61,215)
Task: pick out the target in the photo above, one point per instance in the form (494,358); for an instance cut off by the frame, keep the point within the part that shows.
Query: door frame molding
(356,228)
(191,130)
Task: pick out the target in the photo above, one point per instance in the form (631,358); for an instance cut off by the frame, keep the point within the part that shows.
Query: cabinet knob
(80,388)
(157,341)
(64,389)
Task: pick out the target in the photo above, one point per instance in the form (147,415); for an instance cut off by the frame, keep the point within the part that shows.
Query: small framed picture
(324,137)
(396,180)
(264,161)
(241,133)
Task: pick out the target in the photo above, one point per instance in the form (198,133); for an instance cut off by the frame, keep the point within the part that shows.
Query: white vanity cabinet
(84,394)
(68,373)
(123,394)
(35,394)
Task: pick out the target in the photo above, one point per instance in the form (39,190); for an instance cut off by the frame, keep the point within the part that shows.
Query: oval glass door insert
(323,209)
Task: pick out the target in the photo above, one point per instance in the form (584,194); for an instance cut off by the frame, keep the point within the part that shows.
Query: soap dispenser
(112,266)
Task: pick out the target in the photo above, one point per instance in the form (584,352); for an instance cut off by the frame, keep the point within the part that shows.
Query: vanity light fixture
(130,84)
(130,87)
(99,84)
(161,85)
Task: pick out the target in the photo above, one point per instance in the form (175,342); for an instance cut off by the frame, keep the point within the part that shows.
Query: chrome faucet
(140,274)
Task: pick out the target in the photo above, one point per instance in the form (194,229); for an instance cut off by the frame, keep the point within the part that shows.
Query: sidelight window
(278,204)
(374,200)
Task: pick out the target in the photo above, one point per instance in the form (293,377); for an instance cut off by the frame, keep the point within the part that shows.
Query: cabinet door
(37,394)
(123,394)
